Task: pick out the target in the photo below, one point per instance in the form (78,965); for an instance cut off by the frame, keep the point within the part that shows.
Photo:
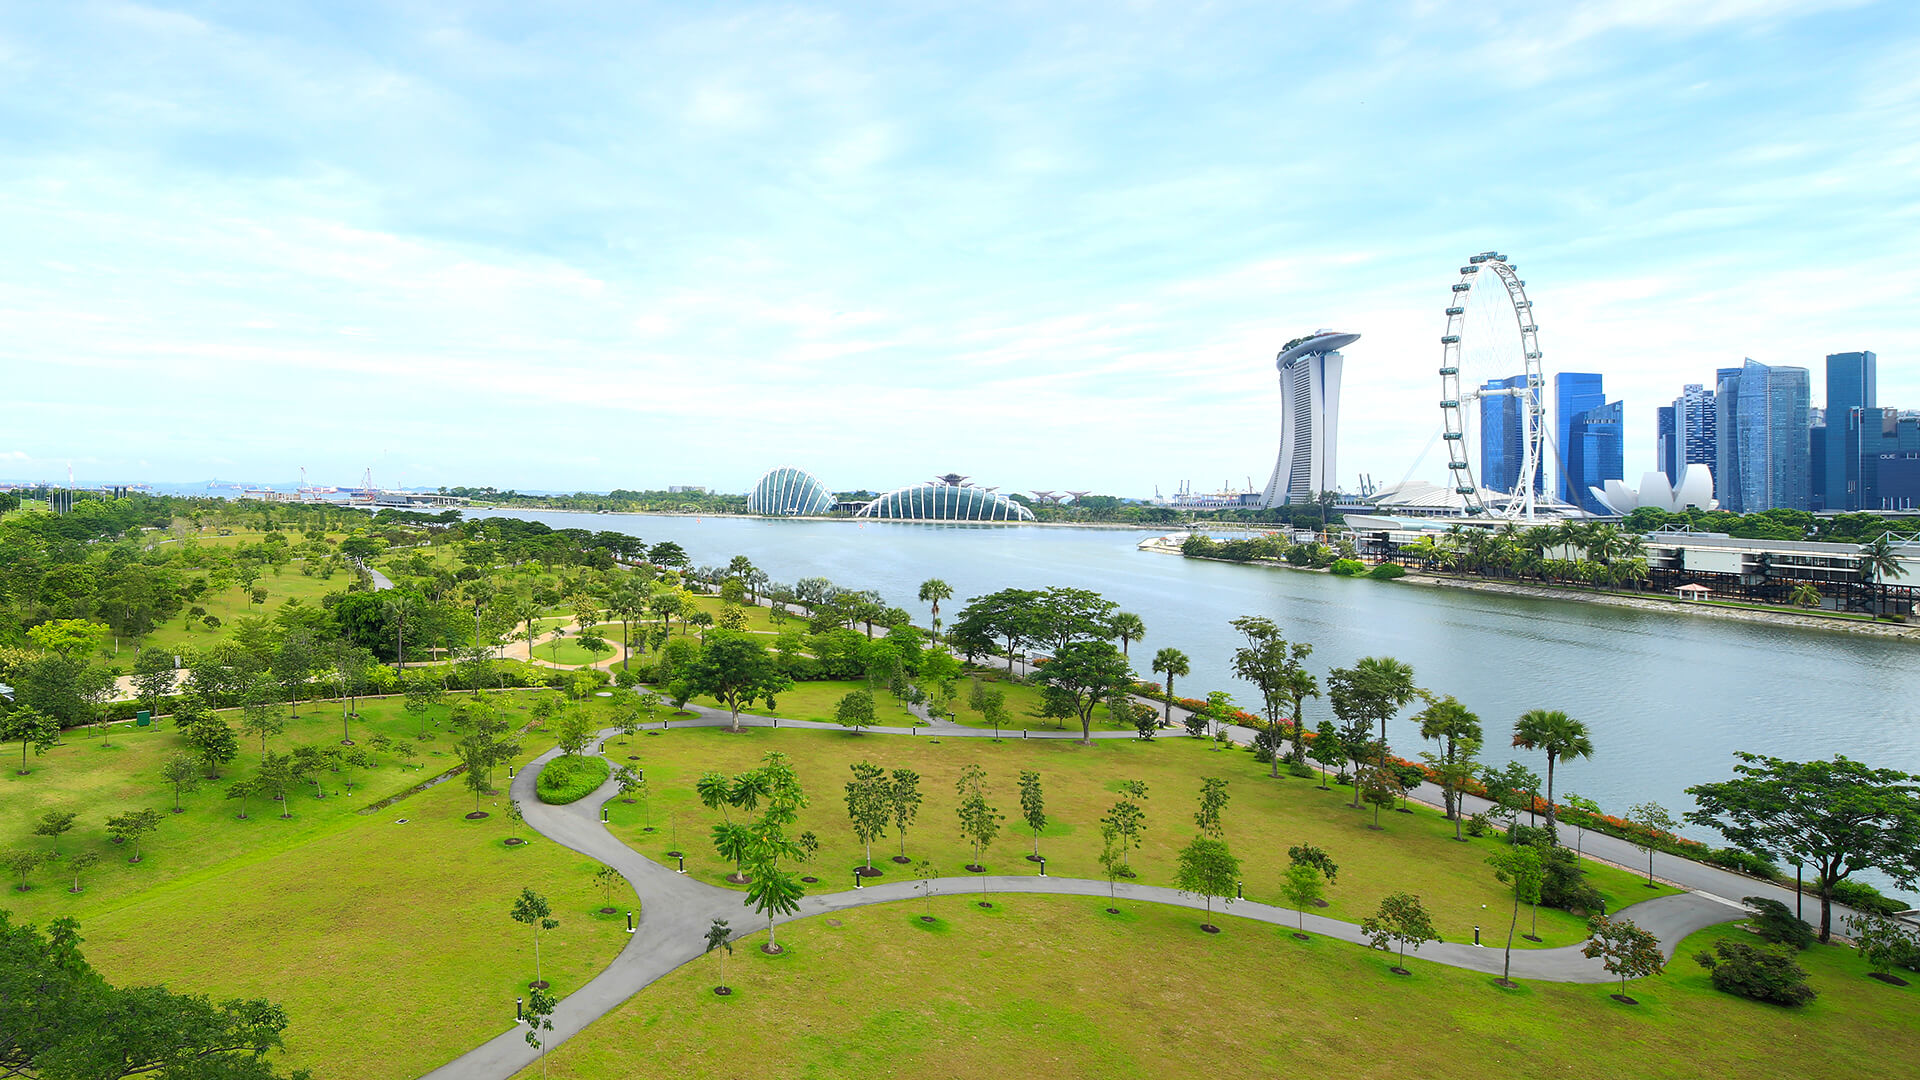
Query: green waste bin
(142,718)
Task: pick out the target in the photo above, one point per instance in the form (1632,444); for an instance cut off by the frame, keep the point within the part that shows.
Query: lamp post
(629,922)
(683,864)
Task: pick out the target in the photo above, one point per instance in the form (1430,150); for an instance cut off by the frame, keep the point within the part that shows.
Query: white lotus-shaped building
(1694,489)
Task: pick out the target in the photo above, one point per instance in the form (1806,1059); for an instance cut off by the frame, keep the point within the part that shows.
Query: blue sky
(1054,246)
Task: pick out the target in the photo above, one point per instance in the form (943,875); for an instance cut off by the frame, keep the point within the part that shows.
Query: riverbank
(830,519)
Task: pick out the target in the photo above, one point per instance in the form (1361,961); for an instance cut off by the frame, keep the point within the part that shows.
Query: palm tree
(1804,595)
(1170,662)
(628,601)
(1559,735)
(1879,561)
(399,606)
(1127,627)
(932,591)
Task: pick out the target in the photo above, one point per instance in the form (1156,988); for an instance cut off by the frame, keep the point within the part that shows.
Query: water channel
(1668,697)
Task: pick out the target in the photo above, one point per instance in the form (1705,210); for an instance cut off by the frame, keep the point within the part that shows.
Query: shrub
(1861,896)
(1347,567)
(1565,885)
(1387,571)
(1745,862)
(1538,835)
(570,779)
(1478,824)
(1759,974)
(1300,770)
(1777,925)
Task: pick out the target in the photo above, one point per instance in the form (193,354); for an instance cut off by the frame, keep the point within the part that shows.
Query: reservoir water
(1668,697)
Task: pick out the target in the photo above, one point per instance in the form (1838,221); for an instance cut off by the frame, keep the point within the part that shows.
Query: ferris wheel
(1489,360)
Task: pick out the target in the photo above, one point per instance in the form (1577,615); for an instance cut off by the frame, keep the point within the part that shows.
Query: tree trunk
(1552,818)
(1506,968)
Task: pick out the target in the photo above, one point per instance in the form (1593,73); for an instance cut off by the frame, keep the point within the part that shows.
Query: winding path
(675,910)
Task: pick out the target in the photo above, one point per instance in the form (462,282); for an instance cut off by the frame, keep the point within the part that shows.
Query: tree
(80,864)
(70,1022)
(720,941)
(932,592)
(774,892)
(1274,668)
(1885,943)
(1302,888)
(182,772)
(1327,750)
(1559,736)
(1087,672)
(1128,818)
(293,664)
(132,827)
(1128,628)
(399,606)
(1511,790)
(258,716)
(1170,662)
(1629,952)
(869,805)
(1374,689)
(1836,816)
(855,710)
(1208,868)
(979,823)
(1457,730)
(68,637)
(1760,974)
(23,861)
(53,825)
(1517,865)
(903,801)
(355,759)
(532,911)
(1213,800)
(153,677)
(575,731)
(735,669)
(350,666)
(213,743)
(1400,919)
(29,726)
(1113,857)
(1033,807)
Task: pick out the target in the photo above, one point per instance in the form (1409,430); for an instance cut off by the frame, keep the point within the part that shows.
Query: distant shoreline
(847,520)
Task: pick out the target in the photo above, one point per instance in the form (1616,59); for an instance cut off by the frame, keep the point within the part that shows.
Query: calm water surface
(1668,697)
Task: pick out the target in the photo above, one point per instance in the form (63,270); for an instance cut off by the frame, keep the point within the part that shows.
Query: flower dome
(939,500)
(789,492)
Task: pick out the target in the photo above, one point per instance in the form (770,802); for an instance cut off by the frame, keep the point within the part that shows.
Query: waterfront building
(1852,383)
(1666,441)
(1309,370)
(947,498)
(1503,437)
(1595,453)
(1765,456)
(789,492)
(1574,392)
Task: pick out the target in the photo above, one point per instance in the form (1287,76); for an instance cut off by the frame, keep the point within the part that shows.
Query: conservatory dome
(789,492)
(945,499)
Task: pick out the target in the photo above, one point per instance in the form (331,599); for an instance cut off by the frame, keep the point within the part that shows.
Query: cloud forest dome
(789,492)
(937,500)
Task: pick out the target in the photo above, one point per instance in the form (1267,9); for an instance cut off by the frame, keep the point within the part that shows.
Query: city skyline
(288,238)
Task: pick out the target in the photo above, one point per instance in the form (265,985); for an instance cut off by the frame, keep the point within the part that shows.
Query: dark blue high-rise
(1503,444)
(1851,384)
(1574,392)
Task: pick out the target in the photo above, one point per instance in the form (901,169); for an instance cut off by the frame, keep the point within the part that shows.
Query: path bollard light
(1239,890)
(518,1015)
(509,772)
(603,815)
(856,877)
(1043,866)
(629,922)
(683,864)
(1476,937)
(1023,733)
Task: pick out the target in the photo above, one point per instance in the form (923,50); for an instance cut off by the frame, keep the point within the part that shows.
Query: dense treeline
(619,499)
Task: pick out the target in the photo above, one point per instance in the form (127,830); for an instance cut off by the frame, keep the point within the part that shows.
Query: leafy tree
(181,771)
(1033,806)
(1213,801)
(1274,668)
(903,802)
(1086,672)
(71,1023)
(423,692)
(68,637)
(153,677)
(1654,825)
(1302,888)
(80,864)
(1380,787)
(23,861)
(1208,868)
(1309,855)
(132,827)
(1518,866)
(1327,750)
(213,743)
(993,708)
(1560,737)
(1760,974)
(1510,789)
(575,731)
(1400,919)
(1457,730)
(1128,818)
(735,669)
(1372,690)
(1885,943)
(1172,663)
(979,823)
(719,941)
(540,1006)
(532,911)
(1629,952)
(258,716)
(1836,816)
(855,710)
(29,726)
(869,805)
(53,825)
(774,892)
(355,759)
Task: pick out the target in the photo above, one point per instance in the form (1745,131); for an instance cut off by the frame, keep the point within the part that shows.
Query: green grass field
(1054,986)
(389,945)
(1416,852)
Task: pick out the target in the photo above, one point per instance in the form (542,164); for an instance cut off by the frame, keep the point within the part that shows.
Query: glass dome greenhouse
(789,492)
(945,502)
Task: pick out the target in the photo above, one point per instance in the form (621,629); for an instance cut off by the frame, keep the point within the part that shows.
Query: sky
(587,246)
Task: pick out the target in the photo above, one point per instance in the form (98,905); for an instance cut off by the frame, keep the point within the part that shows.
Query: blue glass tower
(1503,447)
(1765,453)
(1573,394)
(1851,384)
(1595,453)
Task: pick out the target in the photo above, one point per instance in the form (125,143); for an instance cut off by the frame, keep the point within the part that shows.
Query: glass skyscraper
(1596,453)
(1666,442)
(1574,393)
(1851,384)
(1764,454)
(1503,444)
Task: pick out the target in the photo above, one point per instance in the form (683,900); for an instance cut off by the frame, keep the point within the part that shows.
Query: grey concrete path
(676,910)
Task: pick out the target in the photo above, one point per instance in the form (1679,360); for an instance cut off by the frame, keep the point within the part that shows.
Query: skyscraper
(1697,426)
(1503,443)
(1573,393)
(1595,453)
(1764,454)
(1852,383)
(1666,442)
(1309,417)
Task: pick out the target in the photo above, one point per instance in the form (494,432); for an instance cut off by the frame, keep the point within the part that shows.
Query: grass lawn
(1416,852)
(1054,986)
(389,945)
(567,650)
(232,602)
(818,700)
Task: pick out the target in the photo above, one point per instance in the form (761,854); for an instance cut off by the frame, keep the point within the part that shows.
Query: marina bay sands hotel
(1309,417)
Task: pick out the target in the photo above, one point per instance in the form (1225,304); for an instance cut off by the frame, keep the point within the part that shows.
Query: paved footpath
(675,910)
